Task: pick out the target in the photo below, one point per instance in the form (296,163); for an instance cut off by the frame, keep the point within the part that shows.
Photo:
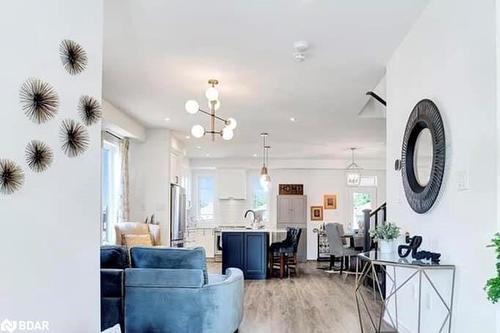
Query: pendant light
(353,174)
(265,179)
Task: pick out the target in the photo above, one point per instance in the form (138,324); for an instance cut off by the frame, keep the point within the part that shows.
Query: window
(110,188)
(260,198)
(368,181)
(361,199)
(206,197)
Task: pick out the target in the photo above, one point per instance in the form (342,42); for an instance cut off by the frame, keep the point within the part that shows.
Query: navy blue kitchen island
(246,250)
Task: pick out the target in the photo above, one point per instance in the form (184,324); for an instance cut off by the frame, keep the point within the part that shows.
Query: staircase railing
(372,218)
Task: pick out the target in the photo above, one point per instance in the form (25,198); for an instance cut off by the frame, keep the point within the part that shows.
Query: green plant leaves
(492,286)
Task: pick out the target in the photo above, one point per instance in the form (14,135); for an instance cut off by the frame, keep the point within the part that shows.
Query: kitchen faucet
(253,213)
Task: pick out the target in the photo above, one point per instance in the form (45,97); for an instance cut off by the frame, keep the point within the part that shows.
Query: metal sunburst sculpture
(89,109)
(74,137)
(39,100)
(73,56)
(39,156)
(11,176)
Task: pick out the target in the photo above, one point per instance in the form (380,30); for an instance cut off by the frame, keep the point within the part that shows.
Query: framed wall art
(316,213)
(330,201)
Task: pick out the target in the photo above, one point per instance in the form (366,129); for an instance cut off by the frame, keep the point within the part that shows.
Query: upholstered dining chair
(136,228)
(337,249)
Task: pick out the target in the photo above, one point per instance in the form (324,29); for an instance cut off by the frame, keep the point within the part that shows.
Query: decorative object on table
(291,189)
(316,213)
(412,247)
(492,286)
(423,156)
(39,156)
(73,56)
(193,107)
(265,179)
(386,235)
(74,137)
(39,100)
(89,109)
(353,171)
(11,176)
(330,201)
(150,219)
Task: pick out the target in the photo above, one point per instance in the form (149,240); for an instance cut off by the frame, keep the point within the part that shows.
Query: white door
(360,198)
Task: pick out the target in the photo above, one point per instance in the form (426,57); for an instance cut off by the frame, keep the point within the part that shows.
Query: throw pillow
(132,240)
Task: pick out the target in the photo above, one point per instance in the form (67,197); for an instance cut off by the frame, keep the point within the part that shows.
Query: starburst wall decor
(74,137)
(11,176)
(39,156)
(90,110)
(73,56)
(39,100)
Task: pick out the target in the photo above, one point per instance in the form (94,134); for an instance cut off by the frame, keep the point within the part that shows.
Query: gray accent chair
(334,233)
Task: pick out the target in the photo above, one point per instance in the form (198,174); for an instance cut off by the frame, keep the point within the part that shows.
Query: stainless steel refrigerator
(177,215)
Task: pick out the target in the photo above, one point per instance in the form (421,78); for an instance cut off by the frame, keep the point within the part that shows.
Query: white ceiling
(158,54)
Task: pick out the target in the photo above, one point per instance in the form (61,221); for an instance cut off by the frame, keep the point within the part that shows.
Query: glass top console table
(374,262)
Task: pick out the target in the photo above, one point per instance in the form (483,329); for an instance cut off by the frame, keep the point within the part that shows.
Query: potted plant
(386,235)
(493,285)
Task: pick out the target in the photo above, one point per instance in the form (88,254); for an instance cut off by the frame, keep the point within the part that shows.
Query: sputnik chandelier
(193,107)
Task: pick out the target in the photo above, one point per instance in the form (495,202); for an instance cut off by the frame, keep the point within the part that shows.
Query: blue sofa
(114,261)
(168,290)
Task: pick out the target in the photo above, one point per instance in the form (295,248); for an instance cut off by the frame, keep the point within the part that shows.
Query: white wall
(317,182)
(149,176)
(118,122)
(49,247)
(449,57)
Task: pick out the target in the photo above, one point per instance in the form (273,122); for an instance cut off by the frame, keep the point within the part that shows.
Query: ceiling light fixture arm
(215,116)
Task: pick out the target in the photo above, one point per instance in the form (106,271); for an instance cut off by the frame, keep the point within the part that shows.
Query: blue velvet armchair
(168,290)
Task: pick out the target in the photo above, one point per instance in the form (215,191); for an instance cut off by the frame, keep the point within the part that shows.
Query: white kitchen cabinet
(232,184)
(175,168)
(203,237)
(292,209)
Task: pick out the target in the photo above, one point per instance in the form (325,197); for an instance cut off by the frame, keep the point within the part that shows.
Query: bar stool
(283,255)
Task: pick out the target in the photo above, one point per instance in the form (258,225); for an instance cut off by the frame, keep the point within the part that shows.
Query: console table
(375,260)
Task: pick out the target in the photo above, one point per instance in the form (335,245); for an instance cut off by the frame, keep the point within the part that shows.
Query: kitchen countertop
(253,230)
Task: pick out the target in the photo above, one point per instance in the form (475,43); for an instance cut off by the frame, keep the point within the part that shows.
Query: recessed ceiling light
(292,119)
(207,155)
(188,137)
(198,147)
(167,119)
(254,155)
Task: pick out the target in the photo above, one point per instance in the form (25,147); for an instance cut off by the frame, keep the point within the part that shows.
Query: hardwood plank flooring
(314,301)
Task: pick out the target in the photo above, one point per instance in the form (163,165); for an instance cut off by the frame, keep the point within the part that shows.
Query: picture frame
(330,201)
(291,189)
(316,213)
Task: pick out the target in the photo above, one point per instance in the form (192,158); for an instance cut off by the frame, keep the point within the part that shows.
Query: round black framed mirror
(423,156)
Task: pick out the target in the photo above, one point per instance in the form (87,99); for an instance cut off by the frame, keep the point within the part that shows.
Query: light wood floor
(315,302)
